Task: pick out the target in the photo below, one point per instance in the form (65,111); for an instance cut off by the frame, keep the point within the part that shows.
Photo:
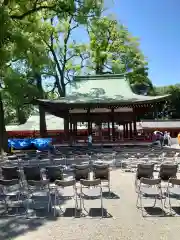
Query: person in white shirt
(169,139)
(166,139)
(89,140)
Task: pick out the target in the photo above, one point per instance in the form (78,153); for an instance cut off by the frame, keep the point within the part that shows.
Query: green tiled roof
(104,89)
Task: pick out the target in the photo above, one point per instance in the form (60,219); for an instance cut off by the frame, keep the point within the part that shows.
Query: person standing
(159,138)
(166,139)
(89,140)
(169,139)
(178,138)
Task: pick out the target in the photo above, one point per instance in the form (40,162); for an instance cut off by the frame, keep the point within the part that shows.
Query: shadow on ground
(16,221)
(154,212)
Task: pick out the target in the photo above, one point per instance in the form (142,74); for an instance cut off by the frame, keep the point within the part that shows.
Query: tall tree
(171,108)
(114,50)
(15,20)
(67,55)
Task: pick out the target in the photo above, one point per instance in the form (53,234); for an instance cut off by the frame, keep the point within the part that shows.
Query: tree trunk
(3,133)
(21,117)
(42,115)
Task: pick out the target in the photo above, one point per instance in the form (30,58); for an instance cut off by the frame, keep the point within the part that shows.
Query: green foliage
(67,56)
(114,50)
(172,107)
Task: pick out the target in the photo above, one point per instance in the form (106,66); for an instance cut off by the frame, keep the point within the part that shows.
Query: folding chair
(168,171)
(9,173)
(145,171)
(62,194)
(90,189)
(81,172)
(13,159)
(54,173)
(8,191)
(173,190)
(149,188)
(36,183)
(102,172)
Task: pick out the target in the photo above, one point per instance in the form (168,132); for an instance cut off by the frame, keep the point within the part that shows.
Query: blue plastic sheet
(19,144)
(29,143)
(42,143)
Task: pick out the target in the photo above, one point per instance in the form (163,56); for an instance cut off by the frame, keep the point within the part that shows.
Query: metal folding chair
(54,173)
(145,171)
(168,171)
(90,189)
(8,191)
(63,192)
(81,172)
(173,190)
(36,183)
(9,173)
(149,188)
(102,172)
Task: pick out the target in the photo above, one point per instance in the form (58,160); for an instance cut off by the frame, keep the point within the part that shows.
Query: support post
(130,129)
(113,128)
(66,126)
(109,131)
(127,131)
(124,132)
(89,122)
(135,129)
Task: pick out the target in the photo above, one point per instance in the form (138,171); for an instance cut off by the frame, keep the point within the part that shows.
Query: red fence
(59,136)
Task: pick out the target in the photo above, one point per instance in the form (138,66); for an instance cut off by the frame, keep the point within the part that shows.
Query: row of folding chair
(33,175)
(152,188)
(166,172)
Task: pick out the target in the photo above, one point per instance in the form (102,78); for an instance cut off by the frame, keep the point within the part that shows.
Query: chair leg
(76,205)
(18,200)
(136,185)
(141,205)
(155,200)
(5,204)
(55,202)
(169,202)
(27,205)
(137,201)
(102,209)
(49,201)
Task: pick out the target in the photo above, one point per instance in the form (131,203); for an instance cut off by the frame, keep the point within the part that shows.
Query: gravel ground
(124,221)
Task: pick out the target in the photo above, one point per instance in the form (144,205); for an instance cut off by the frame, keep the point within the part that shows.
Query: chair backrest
(174,181)
(10,173)
(8,183)
(145,170)
(32,173)
(81,173)
(63,183)
(88,183)
(54,173)
(170,154)
(149,181)
(168,171)
(101,171)
(81,166)
(12,157)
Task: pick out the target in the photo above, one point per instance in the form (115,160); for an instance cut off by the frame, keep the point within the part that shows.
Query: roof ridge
(100,77)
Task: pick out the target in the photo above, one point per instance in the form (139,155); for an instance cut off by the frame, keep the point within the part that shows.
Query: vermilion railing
(59,136)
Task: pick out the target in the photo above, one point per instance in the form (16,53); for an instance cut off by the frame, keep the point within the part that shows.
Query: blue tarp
(19,143)
(42,143)
(38,143)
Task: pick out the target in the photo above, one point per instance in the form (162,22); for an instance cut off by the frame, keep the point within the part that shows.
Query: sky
(157,24)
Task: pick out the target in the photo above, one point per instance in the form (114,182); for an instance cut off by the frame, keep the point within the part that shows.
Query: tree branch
(31,11)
